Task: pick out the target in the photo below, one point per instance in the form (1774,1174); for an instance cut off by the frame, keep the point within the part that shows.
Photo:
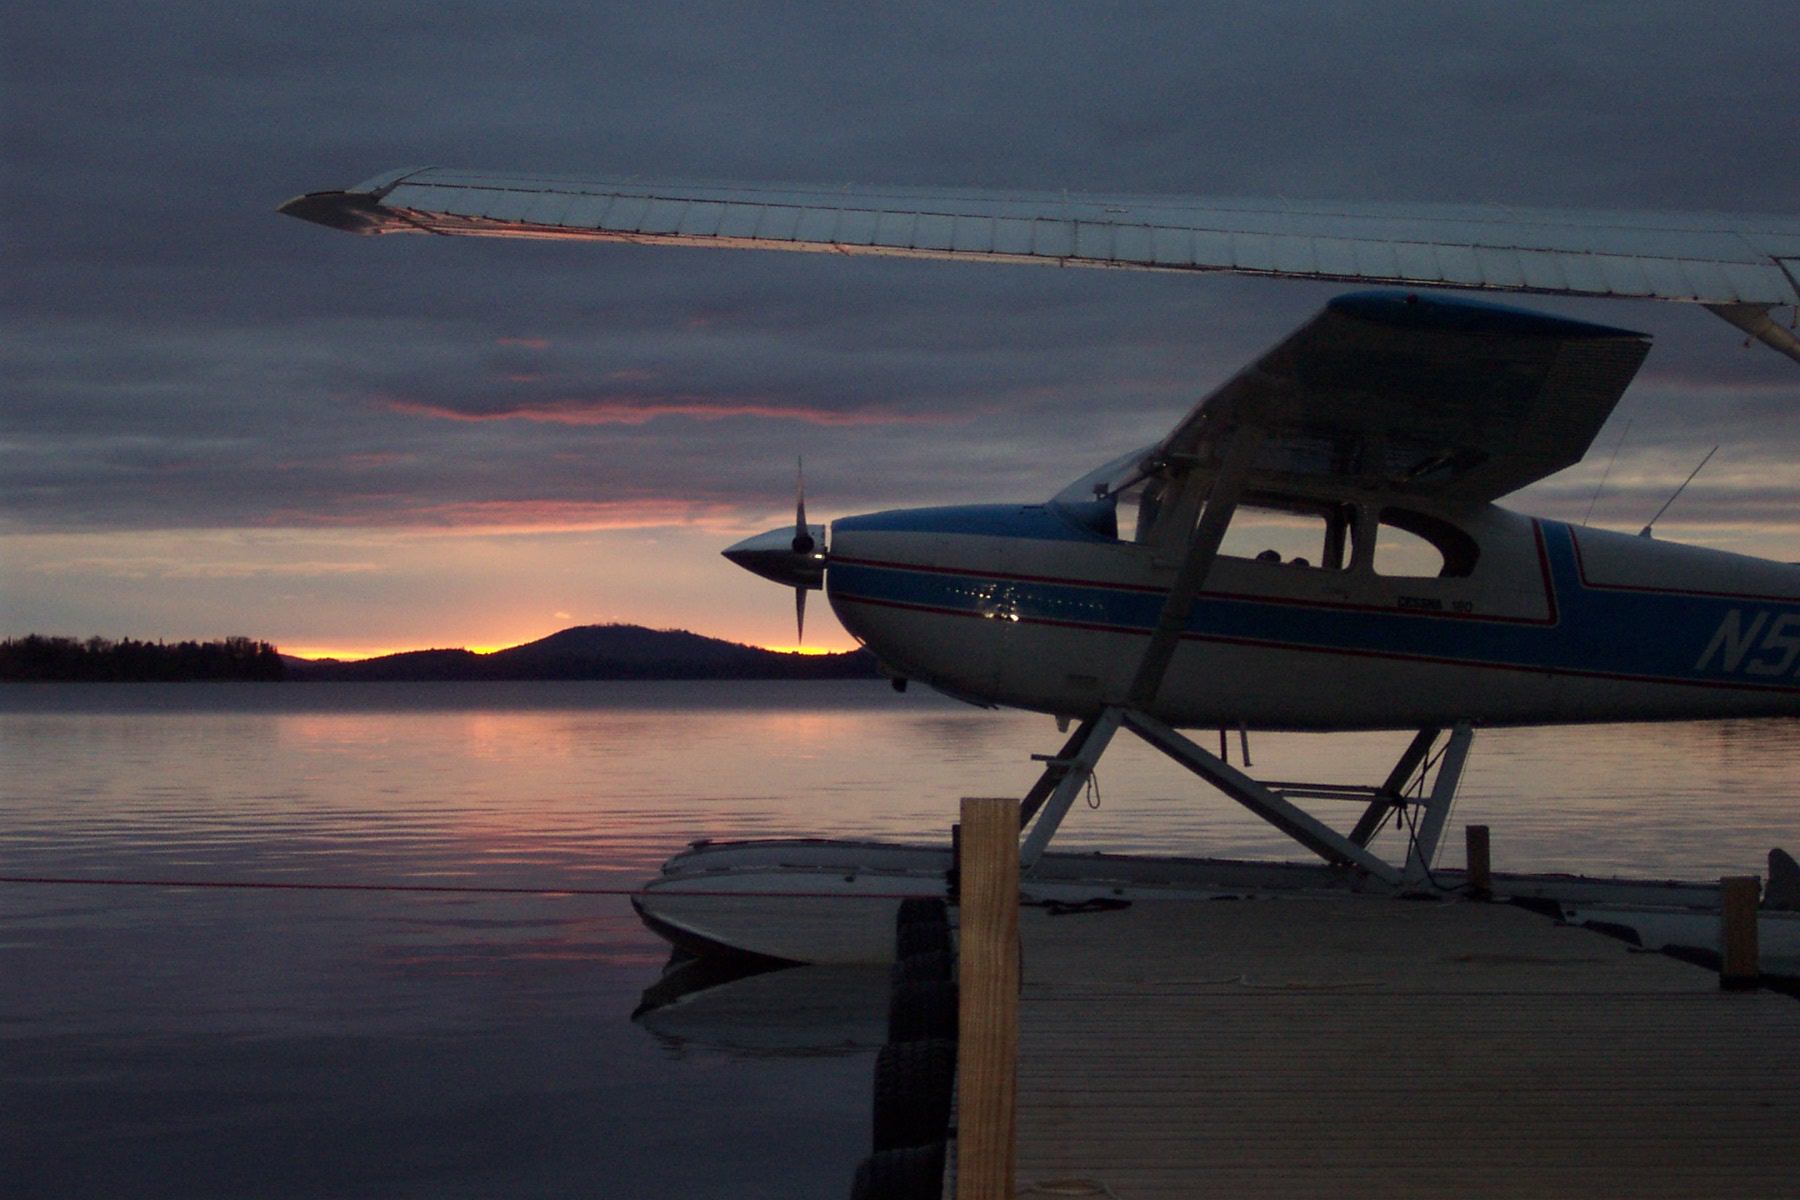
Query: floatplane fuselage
(1524,622)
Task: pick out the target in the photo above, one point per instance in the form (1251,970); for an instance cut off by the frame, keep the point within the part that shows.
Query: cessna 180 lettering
(1316,545)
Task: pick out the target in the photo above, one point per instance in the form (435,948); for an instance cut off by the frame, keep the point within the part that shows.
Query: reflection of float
(838,1009)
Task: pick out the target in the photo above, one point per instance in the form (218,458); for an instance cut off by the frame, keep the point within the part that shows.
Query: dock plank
(1361,1046)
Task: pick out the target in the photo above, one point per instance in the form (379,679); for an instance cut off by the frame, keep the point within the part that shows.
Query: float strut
(1437,806)
(1070,771)
(1391,793)
(1298,824)
(1055,768)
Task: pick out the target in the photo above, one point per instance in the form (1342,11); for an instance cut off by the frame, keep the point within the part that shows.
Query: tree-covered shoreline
(585,652)
(39,659)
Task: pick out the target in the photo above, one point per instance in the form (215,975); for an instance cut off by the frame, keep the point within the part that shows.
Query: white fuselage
(1023,605)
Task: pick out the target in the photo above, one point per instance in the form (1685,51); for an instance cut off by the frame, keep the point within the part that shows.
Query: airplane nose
(782,556)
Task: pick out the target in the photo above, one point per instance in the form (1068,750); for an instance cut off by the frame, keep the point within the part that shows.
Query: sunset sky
(218,420)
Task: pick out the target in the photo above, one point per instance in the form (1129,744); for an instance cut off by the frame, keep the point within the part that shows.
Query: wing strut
(1240,454)
(1067,772)
(1754,319)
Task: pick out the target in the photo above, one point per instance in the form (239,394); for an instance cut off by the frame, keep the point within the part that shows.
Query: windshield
(1107,480)
(1108,497)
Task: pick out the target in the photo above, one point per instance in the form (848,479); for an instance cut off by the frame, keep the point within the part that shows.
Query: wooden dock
(1358,1046)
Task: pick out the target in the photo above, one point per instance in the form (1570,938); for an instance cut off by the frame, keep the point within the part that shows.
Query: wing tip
(353,212)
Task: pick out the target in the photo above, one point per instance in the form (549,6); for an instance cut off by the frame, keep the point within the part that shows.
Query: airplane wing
(1738,265)
(1442,396)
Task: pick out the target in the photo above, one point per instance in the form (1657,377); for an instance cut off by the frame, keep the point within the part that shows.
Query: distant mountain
(596,652)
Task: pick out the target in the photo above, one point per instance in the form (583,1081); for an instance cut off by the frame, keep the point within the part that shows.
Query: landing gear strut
(1273,801)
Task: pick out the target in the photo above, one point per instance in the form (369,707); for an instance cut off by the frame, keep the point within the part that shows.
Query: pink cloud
(514,516)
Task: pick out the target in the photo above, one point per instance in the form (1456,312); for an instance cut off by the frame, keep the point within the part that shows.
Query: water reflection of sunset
(547,783)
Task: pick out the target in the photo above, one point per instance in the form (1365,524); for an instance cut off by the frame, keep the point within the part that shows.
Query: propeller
(803,544)
(793,557)
(803,541)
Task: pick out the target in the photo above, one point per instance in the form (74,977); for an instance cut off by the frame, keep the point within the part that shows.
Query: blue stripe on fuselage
(1598,631)
(1660,635)
(1037,522)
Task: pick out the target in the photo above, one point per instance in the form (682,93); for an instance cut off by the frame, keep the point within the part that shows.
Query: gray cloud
(180,356)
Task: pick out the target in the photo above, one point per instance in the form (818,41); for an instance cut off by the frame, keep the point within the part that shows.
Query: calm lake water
(182,1042)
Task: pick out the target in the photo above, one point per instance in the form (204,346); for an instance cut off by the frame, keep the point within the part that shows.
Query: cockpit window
(1416,545)
(1125,498)
(1139,506)
(1293,532)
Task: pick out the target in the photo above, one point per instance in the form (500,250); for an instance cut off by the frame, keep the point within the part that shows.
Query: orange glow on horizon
(359,653)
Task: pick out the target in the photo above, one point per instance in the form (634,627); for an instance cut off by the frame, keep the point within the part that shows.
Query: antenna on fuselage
(1645,531)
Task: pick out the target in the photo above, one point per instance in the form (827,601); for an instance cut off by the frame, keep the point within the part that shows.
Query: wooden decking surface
(1354,1047)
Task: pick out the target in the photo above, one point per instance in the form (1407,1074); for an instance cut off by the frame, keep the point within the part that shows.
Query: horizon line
(322,653)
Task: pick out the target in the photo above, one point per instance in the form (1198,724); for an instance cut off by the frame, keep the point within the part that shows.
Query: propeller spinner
(791,555)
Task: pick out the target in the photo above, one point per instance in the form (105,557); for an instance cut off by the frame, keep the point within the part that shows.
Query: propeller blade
(803,541)
(799,616)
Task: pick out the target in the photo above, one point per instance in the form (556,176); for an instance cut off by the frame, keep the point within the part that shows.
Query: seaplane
(1315,546)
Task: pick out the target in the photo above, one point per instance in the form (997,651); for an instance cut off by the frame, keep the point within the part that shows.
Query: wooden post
(1481,871)
(988,984)
(1739,966)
